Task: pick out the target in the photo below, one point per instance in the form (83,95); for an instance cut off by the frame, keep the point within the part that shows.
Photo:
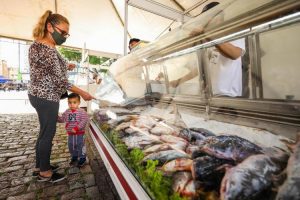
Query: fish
(229,147)
(122,126)
(195,134)
(144,122)
(156,148)
(290,190)
(192,148)
(172,139)
(162,129)
(176,143)
(119,120)
(180,180)
(165,156)
(208,170)
(179,164)
(249,179)
(139,141)
(190,189)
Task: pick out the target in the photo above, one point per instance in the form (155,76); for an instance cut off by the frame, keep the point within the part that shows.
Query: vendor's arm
(229,50)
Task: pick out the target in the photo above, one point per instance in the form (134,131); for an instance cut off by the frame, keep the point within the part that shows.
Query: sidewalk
(18,134)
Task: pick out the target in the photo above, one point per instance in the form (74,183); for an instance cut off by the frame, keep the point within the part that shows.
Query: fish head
(230,187)
(186,134)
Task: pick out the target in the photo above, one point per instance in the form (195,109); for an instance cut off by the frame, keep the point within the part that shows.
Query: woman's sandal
(53,168)
(56,177)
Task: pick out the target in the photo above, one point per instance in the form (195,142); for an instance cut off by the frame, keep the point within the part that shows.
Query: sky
(9,51)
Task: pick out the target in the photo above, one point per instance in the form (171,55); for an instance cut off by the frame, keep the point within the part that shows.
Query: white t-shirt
(225,73)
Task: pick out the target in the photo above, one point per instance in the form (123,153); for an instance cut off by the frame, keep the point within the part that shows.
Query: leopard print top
(48,72)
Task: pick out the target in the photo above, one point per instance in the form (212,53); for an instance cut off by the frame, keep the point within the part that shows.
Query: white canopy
(99,23)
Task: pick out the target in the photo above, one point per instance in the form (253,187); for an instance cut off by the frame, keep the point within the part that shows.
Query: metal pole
(125,27)
(55,6)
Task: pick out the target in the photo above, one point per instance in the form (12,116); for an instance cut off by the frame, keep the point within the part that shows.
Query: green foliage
(75,55)
(158,186)
(70,54)
(96,60)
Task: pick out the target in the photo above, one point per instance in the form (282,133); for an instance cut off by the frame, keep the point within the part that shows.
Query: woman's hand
(71,66)
(87,96)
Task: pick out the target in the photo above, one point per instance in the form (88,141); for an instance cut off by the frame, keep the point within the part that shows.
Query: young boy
(76,120)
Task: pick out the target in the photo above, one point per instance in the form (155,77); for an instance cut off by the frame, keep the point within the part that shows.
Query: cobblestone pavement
(18,134)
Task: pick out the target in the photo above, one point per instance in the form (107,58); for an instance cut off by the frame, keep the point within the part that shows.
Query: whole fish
(139,141)
(208,170)
(180,180)
(157,147)
(192,148)
(165,156)
(161,130)
(290,190)
(144,122)
(229,147)
(249,179)
(177,143)
(195,134)
(179,164)
(190,189)
(122,126)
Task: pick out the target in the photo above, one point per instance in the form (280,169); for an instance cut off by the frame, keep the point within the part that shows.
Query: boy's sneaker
(53,168)
(56,177)
(73,161)
(81,162)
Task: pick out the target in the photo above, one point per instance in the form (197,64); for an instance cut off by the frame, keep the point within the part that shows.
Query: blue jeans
(76,146)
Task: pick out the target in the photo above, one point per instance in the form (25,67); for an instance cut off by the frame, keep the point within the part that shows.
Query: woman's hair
(40,29)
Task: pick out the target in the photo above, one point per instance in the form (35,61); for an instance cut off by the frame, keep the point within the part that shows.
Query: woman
(48,74)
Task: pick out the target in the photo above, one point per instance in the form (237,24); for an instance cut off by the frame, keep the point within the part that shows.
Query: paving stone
(74,170)
(73,195)
(28,166)
(36,186)
(4,165)
(21,162)
(28,196)
(29,152)
(74,177)
(4,184)
(15,174)
(86,169)
(76,184)
(12,154)
(15,146)
(11,169)
(55,190)
(19,150)
(89,180)
(11,191)
(59,160)
(2,148)
(20,181)
(93,192)
(16,158)
(4,177)
(9,144)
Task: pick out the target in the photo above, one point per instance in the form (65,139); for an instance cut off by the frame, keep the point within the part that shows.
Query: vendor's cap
(209,6)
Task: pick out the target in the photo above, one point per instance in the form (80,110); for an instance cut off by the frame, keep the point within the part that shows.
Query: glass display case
(186,124)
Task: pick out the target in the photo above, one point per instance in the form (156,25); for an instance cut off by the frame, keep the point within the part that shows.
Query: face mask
(57,37)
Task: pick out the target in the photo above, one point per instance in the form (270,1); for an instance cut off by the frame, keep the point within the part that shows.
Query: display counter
(165,126)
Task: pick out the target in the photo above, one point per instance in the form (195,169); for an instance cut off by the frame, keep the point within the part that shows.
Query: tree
(75,55)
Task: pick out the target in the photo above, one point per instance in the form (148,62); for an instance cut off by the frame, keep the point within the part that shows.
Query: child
(76,120)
